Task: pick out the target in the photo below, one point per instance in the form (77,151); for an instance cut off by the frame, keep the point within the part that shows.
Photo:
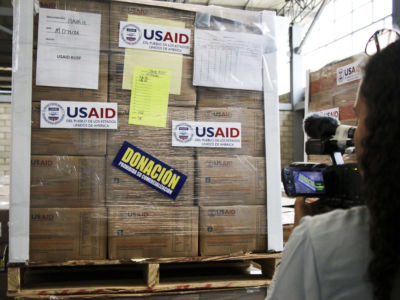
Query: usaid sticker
(149,170)
(332,112)
(78,115)
(154,37)
(348,73)
(206,134)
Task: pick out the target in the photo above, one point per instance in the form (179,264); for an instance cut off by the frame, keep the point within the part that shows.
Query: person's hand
(300,210)
(308,207)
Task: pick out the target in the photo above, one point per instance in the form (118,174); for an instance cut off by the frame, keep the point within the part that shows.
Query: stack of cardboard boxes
(141,221)
(231,182)
(84,208)
(68,214)
(335,86)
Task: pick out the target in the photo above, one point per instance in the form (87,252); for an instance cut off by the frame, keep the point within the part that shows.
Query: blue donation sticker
(149,170)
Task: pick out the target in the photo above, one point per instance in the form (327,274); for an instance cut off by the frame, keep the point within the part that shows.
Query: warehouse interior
(316,42)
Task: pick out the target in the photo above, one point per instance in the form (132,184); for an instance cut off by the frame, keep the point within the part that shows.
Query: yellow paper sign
(149,97)
(154,59)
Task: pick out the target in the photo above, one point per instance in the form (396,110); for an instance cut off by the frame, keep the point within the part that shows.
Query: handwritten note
(68,49)
(149,97)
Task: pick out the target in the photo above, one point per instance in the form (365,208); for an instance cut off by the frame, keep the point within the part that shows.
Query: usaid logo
(221,212)
(183,132)
(53,113)
(348,73)
(340,75)
(131,34)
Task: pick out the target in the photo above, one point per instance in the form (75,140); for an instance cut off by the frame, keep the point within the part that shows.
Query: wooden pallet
(139,277)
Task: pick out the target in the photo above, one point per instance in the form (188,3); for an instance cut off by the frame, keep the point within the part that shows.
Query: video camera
(337,185)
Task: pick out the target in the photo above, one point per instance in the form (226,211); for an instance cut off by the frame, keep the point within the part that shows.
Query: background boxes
(232,229)
(60,234)
(65,141)
(187,96)
(325,93)
(252,121)
(67,181)
(154,140)
(238,180)
(119,12)
(149,231)
(123,189)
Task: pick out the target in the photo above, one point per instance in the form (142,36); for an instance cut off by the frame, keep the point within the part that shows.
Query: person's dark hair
(380,162)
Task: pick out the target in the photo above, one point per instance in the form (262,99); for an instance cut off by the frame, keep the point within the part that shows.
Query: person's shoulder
(338,218)
(338,229)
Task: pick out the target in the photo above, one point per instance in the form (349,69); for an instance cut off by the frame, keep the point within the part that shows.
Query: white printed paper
(348,73)
(228,60)
(78,115)
(154,37)
(206,134)
(68,49)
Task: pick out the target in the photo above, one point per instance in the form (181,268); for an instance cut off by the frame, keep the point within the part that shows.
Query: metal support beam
(319,12)
(285,106)
(396,13)
(6,30)
(5,98)
(6,11)
(297,92)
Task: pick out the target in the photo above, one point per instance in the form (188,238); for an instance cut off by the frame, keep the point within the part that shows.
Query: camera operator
(355,253)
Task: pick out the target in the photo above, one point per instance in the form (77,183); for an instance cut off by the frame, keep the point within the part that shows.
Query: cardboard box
(119,12)
(67,181)
(72,94)
(242,294)
(238,180)
(187,96)
(61,234)
(122,189)
(151,231)
(226,230)
(154,140)
(325,93)
(215,97)
(252,122)
(65,141)
(93,6)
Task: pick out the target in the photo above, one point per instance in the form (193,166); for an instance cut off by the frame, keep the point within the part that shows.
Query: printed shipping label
(348,73)
(154,37)
(149,170)
(78,115)
(206,134)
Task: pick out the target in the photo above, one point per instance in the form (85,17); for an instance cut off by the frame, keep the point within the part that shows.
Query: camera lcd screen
(307,182)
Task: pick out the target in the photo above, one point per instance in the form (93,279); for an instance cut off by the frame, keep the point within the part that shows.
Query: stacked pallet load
(231,181)
(119,203)
(333,91)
